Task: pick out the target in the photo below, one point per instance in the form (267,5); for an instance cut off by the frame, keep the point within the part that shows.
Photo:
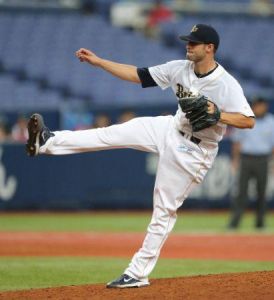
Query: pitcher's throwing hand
(88,56)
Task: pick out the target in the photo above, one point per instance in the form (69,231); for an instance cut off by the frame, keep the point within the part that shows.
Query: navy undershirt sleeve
(146,78)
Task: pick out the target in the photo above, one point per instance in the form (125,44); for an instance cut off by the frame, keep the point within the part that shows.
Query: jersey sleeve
(161,75)
(164,74)
(236,101)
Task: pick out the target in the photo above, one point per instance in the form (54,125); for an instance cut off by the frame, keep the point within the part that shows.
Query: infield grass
(31,272)
(188,222)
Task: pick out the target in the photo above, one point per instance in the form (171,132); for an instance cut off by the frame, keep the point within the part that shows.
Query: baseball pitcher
(209,99)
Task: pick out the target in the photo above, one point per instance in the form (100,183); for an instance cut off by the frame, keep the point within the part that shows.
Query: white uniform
(182,163)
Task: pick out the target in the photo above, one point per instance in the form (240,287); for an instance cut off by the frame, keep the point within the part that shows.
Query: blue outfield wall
(102,180)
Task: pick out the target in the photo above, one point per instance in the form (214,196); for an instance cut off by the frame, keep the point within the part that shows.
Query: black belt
(191,138)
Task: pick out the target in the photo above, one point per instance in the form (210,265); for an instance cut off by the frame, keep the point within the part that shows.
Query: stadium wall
(115,179)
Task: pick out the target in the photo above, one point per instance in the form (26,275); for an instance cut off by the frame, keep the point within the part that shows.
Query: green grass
(26,273)
(124,222)
(35,272)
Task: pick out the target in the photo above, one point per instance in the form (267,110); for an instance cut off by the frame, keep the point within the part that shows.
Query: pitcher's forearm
(237,120)
(122,71)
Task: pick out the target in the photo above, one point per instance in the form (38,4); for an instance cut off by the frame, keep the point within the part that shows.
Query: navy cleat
(125,281)
(38,134)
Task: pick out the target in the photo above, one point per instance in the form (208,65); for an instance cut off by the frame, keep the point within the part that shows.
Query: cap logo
(194,28)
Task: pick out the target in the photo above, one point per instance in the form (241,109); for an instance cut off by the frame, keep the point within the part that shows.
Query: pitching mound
(253,285)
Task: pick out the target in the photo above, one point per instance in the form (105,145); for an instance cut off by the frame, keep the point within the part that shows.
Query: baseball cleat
(125,281)
(38,134)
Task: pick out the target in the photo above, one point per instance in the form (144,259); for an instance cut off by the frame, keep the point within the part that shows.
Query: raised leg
(145,134)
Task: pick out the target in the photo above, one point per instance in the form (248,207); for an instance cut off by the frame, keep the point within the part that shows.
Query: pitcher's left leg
(173,184)
(162,222)
(182,165)
(178,173)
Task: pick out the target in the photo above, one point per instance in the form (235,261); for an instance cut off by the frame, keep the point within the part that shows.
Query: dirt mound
(238,286)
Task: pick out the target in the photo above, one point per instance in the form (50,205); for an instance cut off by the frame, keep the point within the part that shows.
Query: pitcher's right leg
(38,134)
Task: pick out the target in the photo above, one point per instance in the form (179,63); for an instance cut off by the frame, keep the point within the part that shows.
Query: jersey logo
(194,28)
(184,149)
(181,92)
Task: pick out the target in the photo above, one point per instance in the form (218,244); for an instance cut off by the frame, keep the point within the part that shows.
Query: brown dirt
(237,247)
(251,286)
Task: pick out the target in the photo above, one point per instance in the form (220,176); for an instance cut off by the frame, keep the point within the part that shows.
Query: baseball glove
(196,110)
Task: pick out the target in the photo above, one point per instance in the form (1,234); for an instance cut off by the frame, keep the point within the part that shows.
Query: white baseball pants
(182,165)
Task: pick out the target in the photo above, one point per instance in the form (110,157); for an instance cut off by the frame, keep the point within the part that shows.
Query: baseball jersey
(219,86)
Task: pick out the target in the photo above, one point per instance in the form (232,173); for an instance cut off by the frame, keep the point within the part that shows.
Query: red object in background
(159,14)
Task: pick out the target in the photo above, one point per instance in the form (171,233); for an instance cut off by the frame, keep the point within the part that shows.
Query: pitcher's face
(197,52)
